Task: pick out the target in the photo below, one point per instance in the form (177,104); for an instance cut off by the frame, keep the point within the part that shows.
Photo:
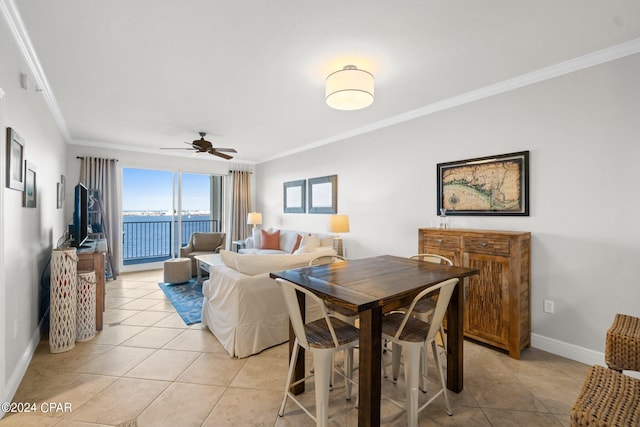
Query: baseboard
(570,351)
(573,352)
(21,369)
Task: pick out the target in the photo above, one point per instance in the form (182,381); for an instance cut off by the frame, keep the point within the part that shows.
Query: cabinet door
(487,299)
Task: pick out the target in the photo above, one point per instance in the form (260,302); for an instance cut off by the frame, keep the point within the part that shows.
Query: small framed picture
(15,160)
(59,192)
(323,195)
(29,196)
(294,196)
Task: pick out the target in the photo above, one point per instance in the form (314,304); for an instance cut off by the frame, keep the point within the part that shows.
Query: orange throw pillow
(270,240)
(297,245)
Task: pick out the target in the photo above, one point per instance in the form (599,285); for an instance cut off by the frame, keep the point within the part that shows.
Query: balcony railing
(150,241)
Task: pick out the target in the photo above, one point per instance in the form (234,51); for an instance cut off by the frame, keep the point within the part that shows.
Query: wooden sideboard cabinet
(498,300)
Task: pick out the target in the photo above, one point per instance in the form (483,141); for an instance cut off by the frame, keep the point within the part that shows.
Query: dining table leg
(455,339)
(370,381)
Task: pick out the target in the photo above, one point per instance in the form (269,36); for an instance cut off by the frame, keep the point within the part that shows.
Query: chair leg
(423,370)
(287,386)
(396,355)
(324,365)
(443,382)
(412,380)
(333,375)
(444,339)
(348,371)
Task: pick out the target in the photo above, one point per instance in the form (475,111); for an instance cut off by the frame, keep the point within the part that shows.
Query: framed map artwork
(493,185)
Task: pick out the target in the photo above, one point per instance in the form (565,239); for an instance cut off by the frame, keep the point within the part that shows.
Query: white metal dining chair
(323,338)
(410,336)
(334,310)
(425,307)
(423,310)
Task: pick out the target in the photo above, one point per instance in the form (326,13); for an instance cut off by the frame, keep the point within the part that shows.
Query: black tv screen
(80,226)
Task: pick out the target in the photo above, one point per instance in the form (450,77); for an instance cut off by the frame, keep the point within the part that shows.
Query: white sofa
(243,306)
(288,238)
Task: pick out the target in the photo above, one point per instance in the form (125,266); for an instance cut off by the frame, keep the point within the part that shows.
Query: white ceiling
(147,74)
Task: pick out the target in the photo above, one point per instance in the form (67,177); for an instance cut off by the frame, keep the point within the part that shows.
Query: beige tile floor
(147,368)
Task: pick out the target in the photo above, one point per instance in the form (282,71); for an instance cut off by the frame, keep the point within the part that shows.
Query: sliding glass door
(162,208)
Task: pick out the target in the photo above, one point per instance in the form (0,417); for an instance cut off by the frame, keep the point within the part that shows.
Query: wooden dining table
(371,287)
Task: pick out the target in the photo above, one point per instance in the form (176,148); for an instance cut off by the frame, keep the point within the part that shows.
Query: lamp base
(337,246)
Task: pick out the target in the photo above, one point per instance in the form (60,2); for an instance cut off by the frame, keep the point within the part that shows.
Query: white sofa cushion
(308,244)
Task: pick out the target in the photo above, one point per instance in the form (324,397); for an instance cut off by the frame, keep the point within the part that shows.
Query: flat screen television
(80,227)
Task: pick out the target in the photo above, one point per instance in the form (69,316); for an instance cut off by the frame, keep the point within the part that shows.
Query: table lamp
(254,218)
(338,224)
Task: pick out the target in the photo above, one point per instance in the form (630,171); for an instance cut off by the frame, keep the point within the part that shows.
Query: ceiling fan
(203,146)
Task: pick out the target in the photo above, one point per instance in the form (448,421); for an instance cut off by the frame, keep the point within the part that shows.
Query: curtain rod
(82,158)
(242,171)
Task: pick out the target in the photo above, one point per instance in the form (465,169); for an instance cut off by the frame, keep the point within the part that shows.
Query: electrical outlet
(548,306)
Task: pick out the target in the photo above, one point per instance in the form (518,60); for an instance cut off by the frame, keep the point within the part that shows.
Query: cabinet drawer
(442,241)
(486,245)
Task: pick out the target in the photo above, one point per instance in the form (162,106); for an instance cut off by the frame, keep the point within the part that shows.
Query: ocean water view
(149,237)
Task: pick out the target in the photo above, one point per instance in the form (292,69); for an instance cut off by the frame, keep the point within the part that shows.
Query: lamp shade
(339,223)
(349,89)
(254,218)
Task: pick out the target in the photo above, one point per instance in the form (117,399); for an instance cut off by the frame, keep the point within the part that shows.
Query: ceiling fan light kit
(349,89)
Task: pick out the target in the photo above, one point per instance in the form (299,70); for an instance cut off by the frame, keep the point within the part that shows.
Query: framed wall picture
(492,185)
(323,195)
(15,160)
(294,196)
(29,195)
(59,192)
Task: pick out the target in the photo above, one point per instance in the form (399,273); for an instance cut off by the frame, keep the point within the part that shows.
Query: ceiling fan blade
(227,150)
(224,156)
(163,148)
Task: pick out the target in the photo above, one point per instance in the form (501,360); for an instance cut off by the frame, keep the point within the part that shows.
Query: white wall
(582,131)
(28,235)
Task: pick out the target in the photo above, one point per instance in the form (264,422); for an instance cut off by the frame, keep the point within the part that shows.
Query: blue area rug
(186,298)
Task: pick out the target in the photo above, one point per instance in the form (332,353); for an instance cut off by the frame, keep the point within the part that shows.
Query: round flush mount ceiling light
(349,88)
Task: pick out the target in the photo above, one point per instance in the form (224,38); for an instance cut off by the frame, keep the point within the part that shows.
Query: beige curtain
(240,204)
(100,174)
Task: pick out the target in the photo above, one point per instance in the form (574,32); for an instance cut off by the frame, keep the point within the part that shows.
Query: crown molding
(11,15)
(566,67)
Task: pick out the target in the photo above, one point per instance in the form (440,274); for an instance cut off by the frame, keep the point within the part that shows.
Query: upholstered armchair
(202,244)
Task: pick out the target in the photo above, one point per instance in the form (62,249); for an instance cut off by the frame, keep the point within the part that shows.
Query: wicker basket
(623,343)
(608,398)
(62,327)
(86,310)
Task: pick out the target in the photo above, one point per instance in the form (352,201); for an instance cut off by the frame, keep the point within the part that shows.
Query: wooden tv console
(93,258)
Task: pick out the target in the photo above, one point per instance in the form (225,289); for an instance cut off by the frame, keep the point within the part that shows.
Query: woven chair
(623,344)
(608,397)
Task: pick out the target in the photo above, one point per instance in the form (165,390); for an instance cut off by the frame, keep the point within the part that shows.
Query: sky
(145,189)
